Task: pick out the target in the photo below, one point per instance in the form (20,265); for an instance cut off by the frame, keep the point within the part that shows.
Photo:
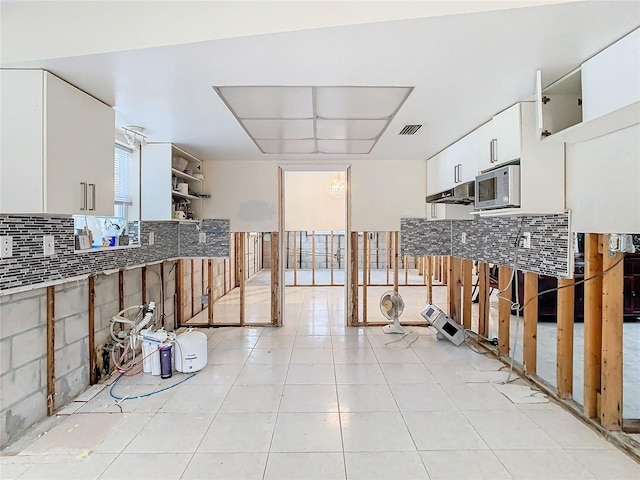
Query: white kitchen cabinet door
(448,211)
(437,174)
(611,79)
(506,129)
(79,155)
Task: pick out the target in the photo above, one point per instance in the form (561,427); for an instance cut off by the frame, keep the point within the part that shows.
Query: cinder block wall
(23,383)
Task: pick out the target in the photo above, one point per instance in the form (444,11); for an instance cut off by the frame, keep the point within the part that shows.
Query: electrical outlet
(151,238)
(204,299)
(202,238)
(525,240)
(6,247)
(463,237)
(47,244)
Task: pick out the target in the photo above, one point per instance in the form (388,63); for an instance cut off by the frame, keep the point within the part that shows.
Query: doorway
(314,209)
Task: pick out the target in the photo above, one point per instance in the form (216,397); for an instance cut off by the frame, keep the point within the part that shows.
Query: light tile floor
(313,400)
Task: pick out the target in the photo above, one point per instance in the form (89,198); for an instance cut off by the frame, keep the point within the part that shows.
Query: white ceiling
(464,68)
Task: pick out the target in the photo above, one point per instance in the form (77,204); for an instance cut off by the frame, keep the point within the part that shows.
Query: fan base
(392,328)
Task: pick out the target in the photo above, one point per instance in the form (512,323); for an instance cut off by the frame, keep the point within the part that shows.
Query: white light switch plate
(47,244)
(151,238)
(202,238)
(6,247)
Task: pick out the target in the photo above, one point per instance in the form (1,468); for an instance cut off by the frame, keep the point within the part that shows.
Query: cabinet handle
(93,196)
(83,195)
(494,150)
(434,211)
(457,173)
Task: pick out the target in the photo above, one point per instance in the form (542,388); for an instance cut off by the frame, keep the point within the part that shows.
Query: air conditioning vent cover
(409,129)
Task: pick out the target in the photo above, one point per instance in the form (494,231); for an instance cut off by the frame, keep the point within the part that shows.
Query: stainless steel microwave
(499,188)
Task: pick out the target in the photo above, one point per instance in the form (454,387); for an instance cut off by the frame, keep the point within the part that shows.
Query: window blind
(123,176)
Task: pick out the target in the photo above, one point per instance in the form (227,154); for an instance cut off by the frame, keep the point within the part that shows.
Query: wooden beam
(467,286)
(530,341)
(162,290)
(592,324)
(143,273)
(483,297)
(429,275)
(120,290)
(51,349)
(93,378)
(454,292)
(331,273)
(405,261)
(326,252)
(504,310)
(276,317)
(241,272)
(388,238)
(365,264)
(354,279)
(211,289)
(396,244)
(295,259)
(612,317)
(313,258)
(180,293)
(565,317)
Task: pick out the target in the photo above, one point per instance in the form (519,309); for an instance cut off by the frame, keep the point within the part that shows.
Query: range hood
(463,194)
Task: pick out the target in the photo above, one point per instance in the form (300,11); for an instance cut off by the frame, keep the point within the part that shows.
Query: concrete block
(71,357)
(20,315)
(21,382)
(5,355)
(132,300)
(106,289)
(28,346)
(76,327)
(104,314)
(71,299)
(59,335)
(71,385)
(17,418)
(132,281)
(102,336)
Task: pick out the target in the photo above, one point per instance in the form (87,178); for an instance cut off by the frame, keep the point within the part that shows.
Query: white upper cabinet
(504,140)
(437,179)
(611,79)
(57,152)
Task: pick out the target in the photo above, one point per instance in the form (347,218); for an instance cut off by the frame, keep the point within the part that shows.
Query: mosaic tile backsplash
(29,266)
(493,240)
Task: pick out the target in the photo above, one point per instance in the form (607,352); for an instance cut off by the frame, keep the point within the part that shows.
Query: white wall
(308,204)
(246,192)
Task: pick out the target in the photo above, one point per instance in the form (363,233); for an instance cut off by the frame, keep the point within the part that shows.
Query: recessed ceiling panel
(289,129)
(345,146)
(359,102)
(268,102)
(349,129)
(287,146)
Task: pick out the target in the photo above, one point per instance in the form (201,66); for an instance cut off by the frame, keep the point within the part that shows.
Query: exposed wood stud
(295,259)
(211,290)
(354,279)
(162,289)
(51,350)
(92,334)
(483,297)
(565,316)
(504,310)
(339,252)
(612,318)
(276,317)
(429,275)
(365,266)
(405,260)
(388,238)
(454,292)
(120,290)
(331,257)
(592,324)
(180,293)
(313,258)
(467,285)
(326,253)
(530,342)
(143,272)
(377,250)
(396,255)
(241,273)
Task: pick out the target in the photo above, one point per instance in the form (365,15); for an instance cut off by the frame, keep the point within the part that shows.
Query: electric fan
(391,306)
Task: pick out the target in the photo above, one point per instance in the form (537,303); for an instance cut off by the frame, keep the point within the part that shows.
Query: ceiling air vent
(409,129)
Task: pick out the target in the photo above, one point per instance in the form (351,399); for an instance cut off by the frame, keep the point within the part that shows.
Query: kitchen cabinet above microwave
(57,147)
(542,177)
(502,139)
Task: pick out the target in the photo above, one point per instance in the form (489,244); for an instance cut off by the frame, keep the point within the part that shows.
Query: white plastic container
(190,351)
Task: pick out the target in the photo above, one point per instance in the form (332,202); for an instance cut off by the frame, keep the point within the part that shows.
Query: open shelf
(186,176)
(182,195)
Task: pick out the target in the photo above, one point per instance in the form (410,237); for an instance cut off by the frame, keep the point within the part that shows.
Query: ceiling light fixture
(308,120)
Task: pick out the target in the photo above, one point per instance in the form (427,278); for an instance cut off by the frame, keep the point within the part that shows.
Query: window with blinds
(124,181)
